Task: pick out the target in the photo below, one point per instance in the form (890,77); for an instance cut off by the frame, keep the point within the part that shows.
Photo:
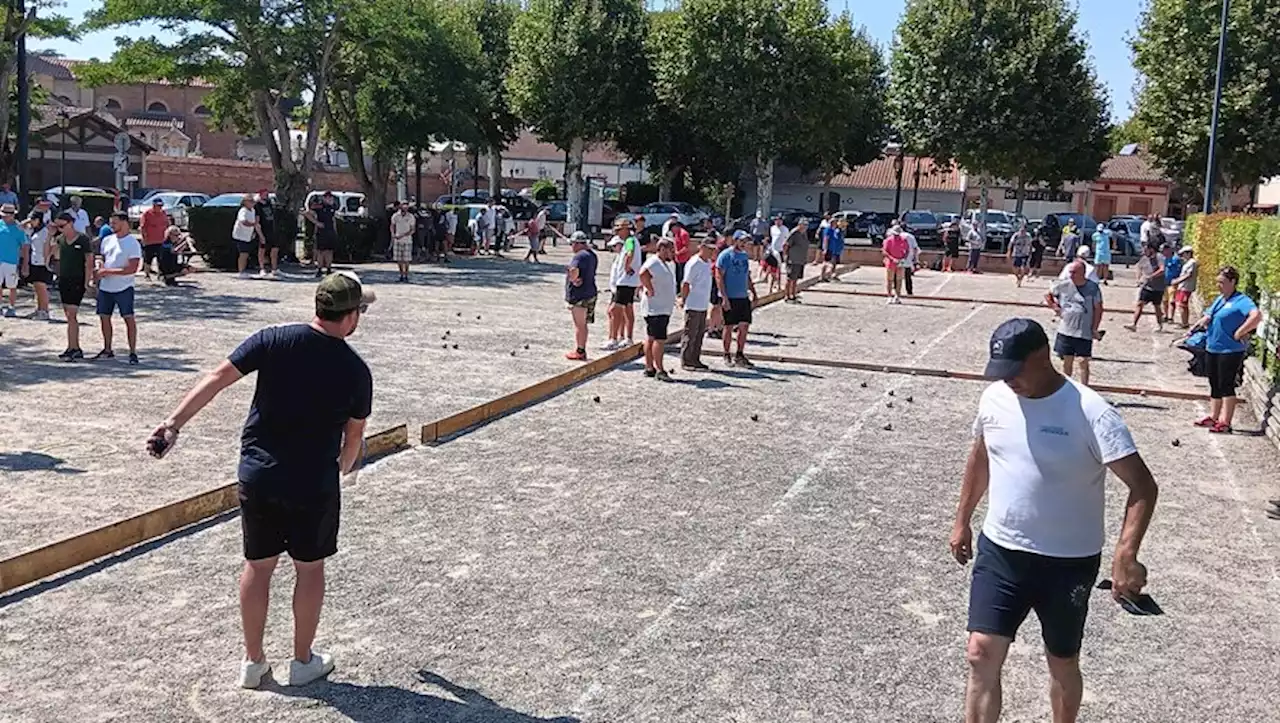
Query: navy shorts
(109,302)
(1065,346)
(1021,262)
(307,529)
(1007,584)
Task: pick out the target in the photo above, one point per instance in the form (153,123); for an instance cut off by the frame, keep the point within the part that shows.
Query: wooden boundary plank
(954,299)
(62,555)
(962,375)
(65,554)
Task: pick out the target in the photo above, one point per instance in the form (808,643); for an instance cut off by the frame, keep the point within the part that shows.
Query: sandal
(1207,422)
(1221,428)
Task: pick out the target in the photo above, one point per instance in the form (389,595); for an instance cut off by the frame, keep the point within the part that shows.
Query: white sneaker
(262,273)
(40,315)
(273,276)
(245,275)
(609,345)
(628,343)
(10,312)
(251,673)
(888,301)
(320,665)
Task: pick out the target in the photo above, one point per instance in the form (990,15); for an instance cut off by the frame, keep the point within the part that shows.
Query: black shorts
(1065,346)
(39,274)
(770,260)
(71,291)
(326,241)
(1223,371)
(306,529)
(739,312)
(624,295)
(1150,296)
(1007,584)
(795,272)
(149,253)
(246,247)
(953,251)
(656,326)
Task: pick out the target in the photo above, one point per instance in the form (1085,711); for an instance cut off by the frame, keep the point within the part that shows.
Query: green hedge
(1252,245)
(210,228)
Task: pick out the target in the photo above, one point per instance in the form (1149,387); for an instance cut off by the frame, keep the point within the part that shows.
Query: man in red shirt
(684,250)
(153,225)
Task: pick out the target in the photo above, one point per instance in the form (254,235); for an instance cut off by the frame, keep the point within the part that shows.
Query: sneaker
(742,361)
(245,274)
(75,354)
(262,273)
(251,673)
(663,376)
(40,315)
(728,360)
(133,358)
(104,354)
(320,665)
(888,301)
(714,334)
(273,275)
(626,345)
(319,274)
(1206,422)
(576,355)
(651,373)
(66,355)
(609,345)
(694,367)
(10,312)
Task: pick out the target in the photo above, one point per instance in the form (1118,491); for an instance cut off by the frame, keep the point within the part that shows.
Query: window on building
(158,107)
(202,110)
(112,104)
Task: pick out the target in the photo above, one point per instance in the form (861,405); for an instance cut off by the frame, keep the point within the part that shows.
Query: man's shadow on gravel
(376,703)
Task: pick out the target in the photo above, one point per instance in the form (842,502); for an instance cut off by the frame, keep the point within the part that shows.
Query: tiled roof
(48,118)
(1131,168)
(147,122)
(528,147)
(65,69)
(882,174)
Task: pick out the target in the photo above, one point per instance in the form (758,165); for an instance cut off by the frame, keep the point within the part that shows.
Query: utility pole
(24,113)
(1217,102)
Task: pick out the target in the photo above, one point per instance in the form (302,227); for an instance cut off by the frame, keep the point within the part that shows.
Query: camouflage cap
(342,291)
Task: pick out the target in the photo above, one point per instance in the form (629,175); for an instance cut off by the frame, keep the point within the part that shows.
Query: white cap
(1083,251)
(615,241)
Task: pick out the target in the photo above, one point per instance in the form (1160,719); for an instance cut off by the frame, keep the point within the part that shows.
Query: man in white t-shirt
(658,278)
(910,263)
(695,295)
(403,225)
(244,232)
(1042,446)
(80,216)
(121,256)
(625,281)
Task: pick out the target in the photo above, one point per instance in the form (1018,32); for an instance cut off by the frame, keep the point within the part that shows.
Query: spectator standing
(626,279)
(533,232)
(778,233)
(895,251)
(103,228)
(580,292)
(684,250)
(37,263)
(1077,300)
(795,250)
(323,214)
(403,226)
(1102,253)
(269,250)
(245,231)
(658,304)
(1070,241)
(715,315)
(695,295)
(486,226)
(832,249)
(1227,323)
(1042,447)
(8,196)
(757,228)
(74,251)
(152,226)
(1038,246)
(121,256)
(14,250)
(80,215)
(1185,283)
(951,246)
(1151,285)
(294,446)
(738,294)
(450,230)
(672,220)
(973,241)
(1020,251)
(910,263)
(1172,270)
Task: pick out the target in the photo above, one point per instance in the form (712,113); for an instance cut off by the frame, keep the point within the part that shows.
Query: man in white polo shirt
(403,226)
(121,256)
(695,293)
(1042,446)
(658,278)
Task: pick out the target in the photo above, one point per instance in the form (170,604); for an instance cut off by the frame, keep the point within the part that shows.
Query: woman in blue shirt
(1227,324)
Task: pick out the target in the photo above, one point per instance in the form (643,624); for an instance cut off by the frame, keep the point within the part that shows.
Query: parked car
(923,225)
(1172,229)
(349,202)
(1000,226)
(610,211)
(557,211)
(946,218)
(1126,235)
(1051,228)
(175,206)
(53,193)
(689,216)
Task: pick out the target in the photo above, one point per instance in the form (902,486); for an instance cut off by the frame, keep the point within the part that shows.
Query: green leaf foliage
(1004,87)
(1175,52)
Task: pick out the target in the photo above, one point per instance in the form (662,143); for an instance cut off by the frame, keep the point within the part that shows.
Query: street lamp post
(1217,102)
(64,122)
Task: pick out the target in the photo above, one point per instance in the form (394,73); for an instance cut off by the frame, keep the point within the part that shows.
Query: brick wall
(180,101)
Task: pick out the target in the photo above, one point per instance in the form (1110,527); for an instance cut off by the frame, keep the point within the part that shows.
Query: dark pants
(906,278)
(975,256)
(695,327)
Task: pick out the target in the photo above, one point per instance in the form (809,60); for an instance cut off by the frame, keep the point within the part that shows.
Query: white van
(349,202)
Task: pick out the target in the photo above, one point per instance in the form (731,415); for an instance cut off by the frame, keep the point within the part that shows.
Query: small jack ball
(1176,443)
(864,385)
(596,400)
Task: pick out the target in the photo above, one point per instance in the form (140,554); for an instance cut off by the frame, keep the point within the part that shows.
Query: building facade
(869,187)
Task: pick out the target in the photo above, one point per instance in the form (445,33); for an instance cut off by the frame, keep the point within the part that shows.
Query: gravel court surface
(78,461)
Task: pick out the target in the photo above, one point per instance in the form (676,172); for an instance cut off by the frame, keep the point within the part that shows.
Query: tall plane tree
(1004,89)
(578,73)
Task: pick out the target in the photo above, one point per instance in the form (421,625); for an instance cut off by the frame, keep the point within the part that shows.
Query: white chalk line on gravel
(694,587)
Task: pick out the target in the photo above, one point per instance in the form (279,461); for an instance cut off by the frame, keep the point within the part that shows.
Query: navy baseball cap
(1011,344)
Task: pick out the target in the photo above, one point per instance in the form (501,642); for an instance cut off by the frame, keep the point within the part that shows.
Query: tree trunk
(573,183)
(764,185)
(1021,197)
(495,173)
(667,181)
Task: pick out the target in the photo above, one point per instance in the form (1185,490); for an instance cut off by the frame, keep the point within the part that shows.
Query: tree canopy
(1175,52)
(1004,88)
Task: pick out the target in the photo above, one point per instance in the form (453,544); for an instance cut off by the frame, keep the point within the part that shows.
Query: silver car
(175,204)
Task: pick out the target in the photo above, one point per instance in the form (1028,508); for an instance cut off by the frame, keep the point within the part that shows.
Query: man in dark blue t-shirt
(580,292)
(294,445)
(323,214)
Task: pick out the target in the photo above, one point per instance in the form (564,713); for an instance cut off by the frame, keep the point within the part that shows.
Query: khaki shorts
(589,305)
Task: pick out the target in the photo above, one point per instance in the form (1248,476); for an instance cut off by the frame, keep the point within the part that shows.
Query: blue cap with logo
(1011,344)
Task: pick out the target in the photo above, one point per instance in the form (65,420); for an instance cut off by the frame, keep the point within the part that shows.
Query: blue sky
(1106,24)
